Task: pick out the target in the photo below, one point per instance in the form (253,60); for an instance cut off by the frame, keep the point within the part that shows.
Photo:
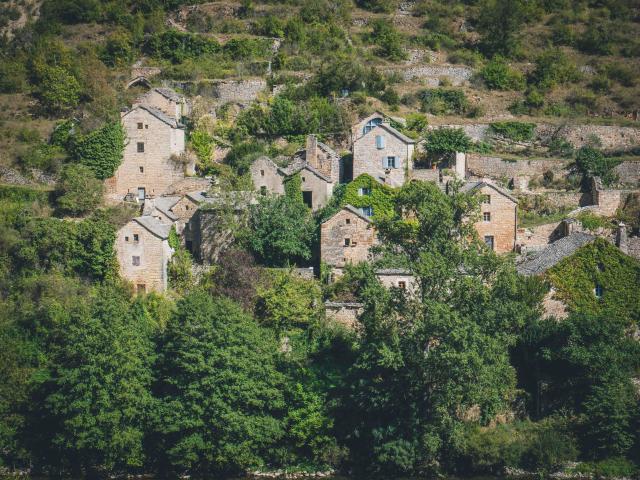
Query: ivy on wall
(101,150)
(599,264)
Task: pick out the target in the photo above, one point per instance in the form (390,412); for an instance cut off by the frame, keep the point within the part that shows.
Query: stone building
(143,252)
(267,176)
(166,100)
(346,239)
(152,156)
(397,278)
(497,225)
(382,151)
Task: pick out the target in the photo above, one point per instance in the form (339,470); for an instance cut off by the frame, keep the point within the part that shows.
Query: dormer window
(371,124)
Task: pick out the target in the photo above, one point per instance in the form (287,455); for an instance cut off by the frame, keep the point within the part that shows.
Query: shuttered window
(379,142)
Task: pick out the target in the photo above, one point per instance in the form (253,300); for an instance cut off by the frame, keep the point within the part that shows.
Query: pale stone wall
(502,225)
(154,254)
(495,167)
(159,171)
(320,189)
(553,307)
(184,210)
(432,74)
(425,174)
(265,173)
(332,239)
(539,236)
(367,158)
(396,279)
(345,313)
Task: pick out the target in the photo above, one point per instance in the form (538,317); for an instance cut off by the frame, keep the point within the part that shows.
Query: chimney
(312,151)
(621,238)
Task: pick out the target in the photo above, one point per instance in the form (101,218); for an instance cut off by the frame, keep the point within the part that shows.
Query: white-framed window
(598,291)
(486,216)
(367,211)
(364,191)
(390,162)
(488,240)
(380,142)
(486,199)
(371,124)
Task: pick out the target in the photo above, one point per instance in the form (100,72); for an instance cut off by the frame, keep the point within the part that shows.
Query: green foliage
(445,141)
(58,90)
(174,239)
(118,49)
(221,414)
(91,405)
(78,190)
(178,46)
(598,263)
(281,231)
(517,131)
(442,101)
(498,75)
(500,24)
(561,147)
(417,123)
(13,77)
(385,36)
(591,162)
(101,150)
(553,68)
(598,38)
(180,270)
(379,6)
(591,221)
(202,143)
(287,301)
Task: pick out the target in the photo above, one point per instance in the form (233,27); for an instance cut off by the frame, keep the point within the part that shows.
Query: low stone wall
(629,172)
(224,91)
(343,312)
(456,74)
(539,236)
(425,174)
(567,199)
(496,167)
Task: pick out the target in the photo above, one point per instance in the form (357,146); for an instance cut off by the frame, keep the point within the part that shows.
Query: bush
(378,6)
(517,131)
(78,190)
(598,38)
(553,68)
(444,141)
(58,90)
(591,162)
(441,101)
(499,76)
(561,147)
(388,39)
(101,150)
(176,46)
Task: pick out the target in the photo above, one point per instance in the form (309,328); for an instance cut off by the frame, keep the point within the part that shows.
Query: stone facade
(143,253)
(498,216)
(535,238)
(148,165)
(316,188)
(397,278)
(267,176)
(346,238)
(495,167)
(166,100)
(433,74)
(372,151)
(345,313)
(323,158)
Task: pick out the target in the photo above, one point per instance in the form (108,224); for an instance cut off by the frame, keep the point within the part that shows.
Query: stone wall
(319,188)
(629,172)
(189,184)
(345,225)
(266,176)
(533,238)
(425,174)
(502,223)
(343,312)
(154,254)
(432,74)
(495,167)
(242,92)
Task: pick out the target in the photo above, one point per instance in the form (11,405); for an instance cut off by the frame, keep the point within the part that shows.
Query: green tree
(58,90)
(500,24)
(219,391)
(281,231)
(385,36)
(90,409)
(498,75)
(591,162)
(101,150)
(442,143)
(552,68)
(78,190)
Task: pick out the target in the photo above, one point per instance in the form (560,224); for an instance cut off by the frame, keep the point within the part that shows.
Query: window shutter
(379,142)
(385,162)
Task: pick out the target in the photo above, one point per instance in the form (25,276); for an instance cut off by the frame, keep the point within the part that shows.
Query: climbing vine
(101,150)
(598,264)
(380,197)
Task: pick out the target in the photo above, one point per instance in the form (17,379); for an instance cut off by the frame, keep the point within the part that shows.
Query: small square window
(598,291)
(146,126)
(140,147)
(348,221)
(364,191)
(402,285)
(139,125)
(126,239)
(347,242)
(141,169)
(488,240)
(262,173)
(486,216)
(136,237)
(135,261)
(486,199)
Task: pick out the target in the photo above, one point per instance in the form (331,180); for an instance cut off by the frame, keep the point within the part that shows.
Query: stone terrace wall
(457,75)
(224,91)
(538,236)
(496,167)
(629,172)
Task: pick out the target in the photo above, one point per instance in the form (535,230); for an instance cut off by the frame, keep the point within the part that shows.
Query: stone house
(151,159)
(143,253)
(382,152)
(397,278)
(166,100)
(267,176)
(497,225)
(346,238)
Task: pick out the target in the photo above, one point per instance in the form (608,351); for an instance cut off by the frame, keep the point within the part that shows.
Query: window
(371,124)
(598,291)
(263,190)
(141,288)
(140,147)
(486,199)
(367,211)
(146,126)
(186,207)
(389,162)
(486,216)
(303,179)
(136,237)
(141,193)
(347,242)
(139,125)
(262,173)
(135,261)
(364,191)
(348,221)
(307,198)
(402,285)
(141,169)
(488,240)
(126,239)
(379,142)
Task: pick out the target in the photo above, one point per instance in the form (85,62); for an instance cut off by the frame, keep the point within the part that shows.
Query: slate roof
(554,253)
(172,122)
(154,225)
(169,94)
(393,131)
(164,204)
(470,186)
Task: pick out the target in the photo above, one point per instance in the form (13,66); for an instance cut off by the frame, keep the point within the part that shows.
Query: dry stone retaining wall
(496,167)
(457,75)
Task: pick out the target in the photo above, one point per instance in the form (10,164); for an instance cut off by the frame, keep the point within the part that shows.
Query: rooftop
(554,253)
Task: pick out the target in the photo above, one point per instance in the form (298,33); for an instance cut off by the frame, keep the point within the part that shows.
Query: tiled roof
(470,186)
(554,253)
(172,122)
(163,204)
(154,225)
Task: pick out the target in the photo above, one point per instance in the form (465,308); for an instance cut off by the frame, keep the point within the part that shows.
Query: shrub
(499,76)
(517,131)
(58,90)
(176,46)
(385,36)
(444,141)
(13,76)
(553,68)
(598,38)
(561,147)
(78,190)
(441,101)
(118,49)
(621,74)
(101,150)
(591,162)
(379,6)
